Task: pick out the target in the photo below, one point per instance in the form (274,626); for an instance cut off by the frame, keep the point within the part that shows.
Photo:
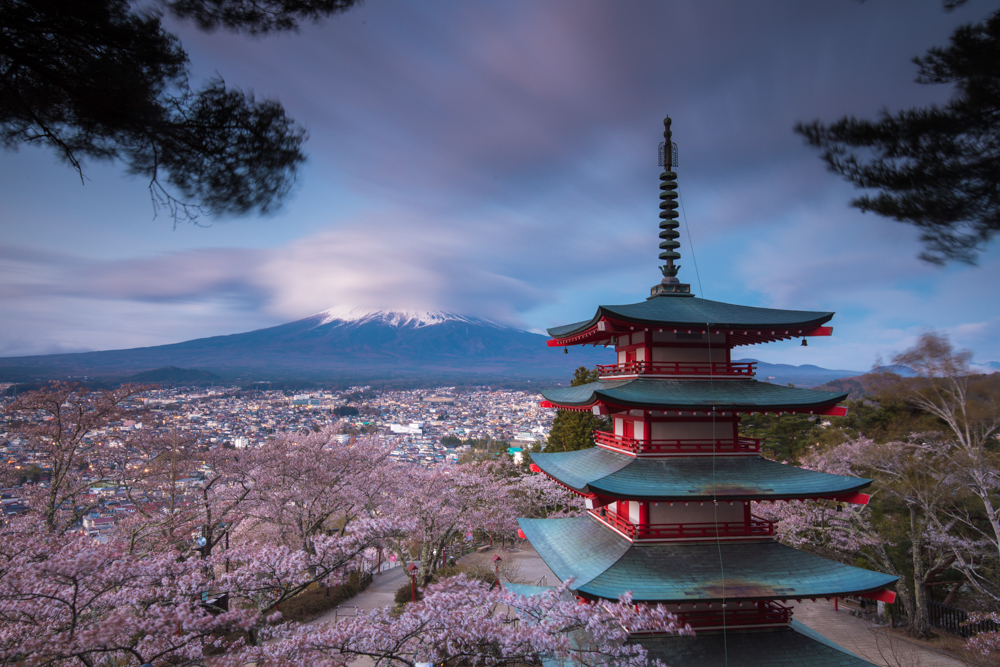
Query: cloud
(496,159)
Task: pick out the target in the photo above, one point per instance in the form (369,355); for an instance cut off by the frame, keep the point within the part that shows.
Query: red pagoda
(669,492)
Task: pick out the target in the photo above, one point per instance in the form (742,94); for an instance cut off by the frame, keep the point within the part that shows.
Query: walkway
(380,593)
(850,632)
(866,640)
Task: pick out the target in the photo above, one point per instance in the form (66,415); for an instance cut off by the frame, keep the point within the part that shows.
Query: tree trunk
(919,625)
(426,563)
(904,596)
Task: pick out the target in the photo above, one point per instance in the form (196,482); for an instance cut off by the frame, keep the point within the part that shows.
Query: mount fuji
(338,344)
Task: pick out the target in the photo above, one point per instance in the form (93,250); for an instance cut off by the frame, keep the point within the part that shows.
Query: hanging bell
(805,343)
(565,350)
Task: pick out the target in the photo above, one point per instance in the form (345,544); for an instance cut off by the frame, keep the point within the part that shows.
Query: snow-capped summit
(395,318)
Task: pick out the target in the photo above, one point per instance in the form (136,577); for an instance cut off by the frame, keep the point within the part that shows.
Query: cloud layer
(497,159)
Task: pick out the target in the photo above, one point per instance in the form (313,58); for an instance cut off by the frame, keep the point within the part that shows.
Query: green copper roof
(605,565)
(686,394)
(667,310)
(794,646)
(597,470)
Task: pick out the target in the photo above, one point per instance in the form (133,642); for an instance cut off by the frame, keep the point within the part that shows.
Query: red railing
(674,531)
(683,446)
(764,612)
(706,368)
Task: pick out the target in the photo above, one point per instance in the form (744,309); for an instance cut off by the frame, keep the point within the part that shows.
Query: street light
(496,566)
(412,569)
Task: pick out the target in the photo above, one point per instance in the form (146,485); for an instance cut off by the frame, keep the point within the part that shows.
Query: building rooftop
(668,312)
(606,473)
(604,565)
(723,394)
(793,646)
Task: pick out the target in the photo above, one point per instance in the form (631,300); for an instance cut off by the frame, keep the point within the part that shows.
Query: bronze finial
(668,219)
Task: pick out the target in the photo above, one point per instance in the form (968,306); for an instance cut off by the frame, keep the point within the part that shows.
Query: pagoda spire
(669,286)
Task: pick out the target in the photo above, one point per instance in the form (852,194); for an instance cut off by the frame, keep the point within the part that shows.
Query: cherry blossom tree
(463,621)
(983,645)
(534,495)
(310,484)
(65,599)
(445,503)
(308,510)
(968,406)
(67,424)
(911,493)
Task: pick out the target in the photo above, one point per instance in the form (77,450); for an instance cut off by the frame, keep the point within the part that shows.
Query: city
(415,421)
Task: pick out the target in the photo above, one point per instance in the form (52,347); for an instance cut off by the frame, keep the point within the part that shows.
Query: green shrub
(404,593)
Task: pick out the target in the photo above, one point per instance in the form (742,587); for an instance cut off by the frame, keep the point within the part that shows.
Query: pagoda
(668,493)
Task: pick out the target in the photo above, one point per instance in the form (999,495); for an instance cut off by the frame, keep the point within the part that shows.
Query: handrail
(736,445)
(757,527)
(706,368)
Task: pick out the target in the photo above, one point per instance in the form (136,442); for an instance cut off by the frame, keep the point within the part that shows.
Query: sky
(498,159)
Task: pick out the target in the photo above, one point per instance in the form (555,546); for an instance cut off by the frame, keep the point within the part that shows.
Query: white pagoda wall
(695,513)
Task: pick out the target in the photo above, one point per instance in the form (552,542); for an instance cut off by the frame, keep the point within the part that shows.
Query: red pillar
(643,518)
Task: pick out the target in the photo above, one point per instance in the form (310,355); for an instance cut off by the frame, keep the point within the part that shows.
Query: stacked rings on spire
(668,207)
(668,217)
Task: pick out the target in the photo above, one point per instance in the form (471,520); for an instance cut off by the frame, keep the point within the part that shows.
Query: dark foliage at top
(935,167)
(256,16)
(97,80)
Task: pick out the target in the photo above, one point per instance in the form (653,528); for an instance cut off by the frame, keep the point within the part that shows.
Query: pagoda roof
(604,564)
(610,474)
(796,644)
(723,394)
(695,313)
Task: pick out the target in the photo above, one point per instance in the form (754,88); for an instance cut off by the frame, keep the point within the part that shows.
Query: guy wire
(711,379)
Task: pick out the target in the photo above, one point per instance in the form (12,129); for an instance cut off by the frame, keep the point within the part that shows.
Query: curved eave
(605,565)
(693,395)
(746,324)
(599,472)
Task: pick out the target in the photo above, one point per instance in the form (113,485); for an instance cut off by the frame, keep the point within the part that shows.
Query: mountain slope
(806,375)
(353,344)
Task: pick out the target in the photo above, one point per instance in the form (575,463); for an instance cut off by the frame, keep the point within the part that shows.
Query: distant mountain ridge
(348,344)
(806,375)
(339,343)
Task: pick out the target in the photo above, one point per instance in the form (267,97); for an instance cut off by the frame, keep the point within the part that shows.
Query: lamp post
(412,570)
(496,567)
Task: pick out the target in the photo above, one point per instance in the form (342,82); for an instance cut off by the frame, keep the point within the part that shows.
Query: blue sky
(499,159)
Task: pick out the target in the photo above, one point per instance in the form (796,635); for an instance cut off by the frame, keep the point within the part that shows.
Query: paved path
(380,593)
(850,632)
(865,640)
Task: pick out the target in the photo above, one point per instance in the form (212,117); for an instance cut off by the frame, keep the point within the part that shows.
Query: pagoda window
(700,430)
(702,354)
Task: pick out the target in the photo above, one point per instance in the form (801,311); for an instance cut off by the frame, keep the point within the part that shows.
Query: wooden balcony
(680,368)
(663,532)
(689,446)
